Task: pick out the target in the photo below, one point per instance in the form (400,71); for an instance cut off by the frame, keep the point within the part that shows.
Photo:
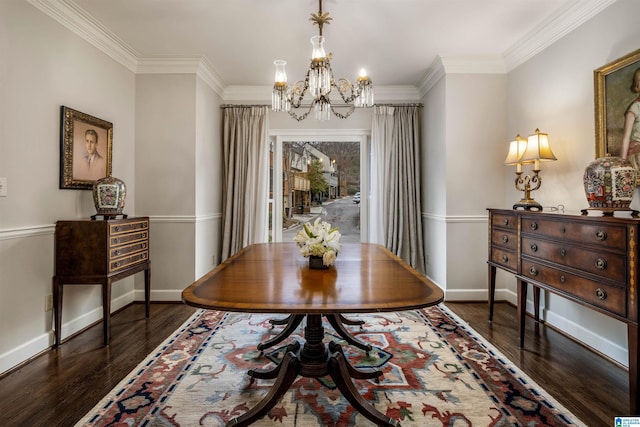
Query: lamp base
(528,205)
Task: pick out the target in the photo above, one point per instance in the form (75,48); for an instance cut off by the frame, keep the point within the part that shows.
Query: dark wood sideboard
(589,259)
(99,252)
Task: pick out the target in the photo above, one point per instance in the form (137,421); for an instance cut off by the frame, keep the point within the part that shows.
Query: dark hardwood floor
(60,386)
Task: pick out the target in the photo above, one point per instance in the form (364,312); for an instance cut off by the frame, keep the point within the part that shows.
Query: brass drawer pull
(601,294)
(144,246)
(534,225)
(534,247)
(563,252)
(116,228)
(144,235)
(144,256)
(601,235)
(601,264)
(116,253)
(533,271)
(116,264)
(505,258)
(505,239)
(563,279)
(506,221)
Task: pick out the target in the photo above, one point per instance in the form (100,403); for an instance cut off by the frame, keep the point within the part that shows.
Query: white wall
(44,66)
(554,92)
(463,175)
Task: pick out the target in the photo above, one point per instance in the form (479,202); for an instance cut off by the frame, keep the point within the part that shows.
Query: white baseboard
(42,342)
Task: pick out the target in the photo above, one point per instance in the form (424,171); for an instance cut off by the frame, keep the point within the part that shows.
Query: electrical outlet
(48,303)
(3,186)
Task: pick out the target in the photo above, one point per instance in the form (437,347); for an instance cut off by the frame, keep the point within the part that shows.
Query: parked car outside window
(356,197)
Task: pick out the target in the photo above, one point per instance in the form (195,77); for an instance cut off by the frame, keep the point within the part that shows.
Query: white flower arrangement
(319,239)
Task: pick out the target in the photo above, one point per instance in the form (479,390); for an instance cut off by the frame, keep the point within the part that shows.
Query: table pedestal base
(313,360)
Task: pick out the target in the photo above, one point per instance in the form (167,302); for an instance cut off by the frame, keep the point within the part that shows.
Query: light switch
(3,186)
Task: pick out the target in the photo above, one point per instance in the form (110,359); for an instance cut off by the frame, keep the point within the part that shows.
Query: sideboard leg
(57,311)
(634,397)
(492,290)
(522,310)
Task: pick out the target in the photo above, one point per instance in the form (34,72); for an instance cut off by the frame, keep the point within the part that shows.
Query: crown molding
(72,17)
(182,65)
(564,21)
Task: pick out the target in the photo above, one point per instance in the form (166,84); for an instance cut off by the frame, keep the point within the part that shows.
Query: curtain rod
(243,105)
(400,105)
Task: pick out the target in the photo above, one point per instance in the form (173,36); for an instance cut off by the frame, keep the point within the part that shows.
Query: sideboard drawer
(507,260)
(609,236)
(504,239)
(610,298)
(605,264)
(504,220)
(126,227)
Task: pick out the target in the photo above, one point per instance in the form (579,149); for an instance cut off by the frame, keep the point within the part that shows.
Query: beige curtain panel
(245,175)
(396,209)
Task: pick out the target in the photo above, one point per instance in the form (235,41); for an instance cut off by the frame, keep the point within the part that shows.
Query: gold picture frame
(85,149)
(613,95)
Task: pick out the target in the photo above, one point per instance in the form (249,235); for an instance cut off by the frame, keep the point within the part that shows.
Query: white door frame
(361,136)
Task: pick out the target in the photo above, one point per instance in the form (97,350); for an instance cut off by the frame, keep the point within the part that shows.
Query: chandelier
(319,83)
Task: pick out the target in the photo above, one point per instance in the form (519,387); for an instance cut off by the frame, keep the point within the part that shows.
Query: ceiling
(397,41)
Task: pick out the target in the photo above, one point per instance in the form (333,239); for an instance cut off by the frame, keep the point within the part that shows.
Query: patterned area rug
(437,372)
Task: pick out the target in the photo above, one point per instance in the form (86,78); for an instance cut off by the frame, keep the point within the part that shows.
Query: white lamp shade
(516,150)
(538,149)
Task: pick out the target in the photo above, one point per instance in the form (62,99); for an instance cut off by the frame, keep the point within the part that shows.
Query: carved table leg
(339,371)
(288,372)
(337,324)
(350,322)
(292,323)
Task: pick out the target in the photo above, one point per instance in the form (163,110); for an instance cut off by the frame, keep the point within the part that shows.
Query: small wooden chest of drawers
(99,252)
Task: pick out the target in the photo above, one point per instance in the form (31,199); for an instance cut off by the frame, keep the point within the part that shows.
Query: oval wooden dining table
(275,278)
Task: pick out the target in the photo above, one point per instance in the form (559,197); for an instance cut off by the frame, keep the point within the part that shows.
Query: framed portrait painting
(616,88)
(85,149)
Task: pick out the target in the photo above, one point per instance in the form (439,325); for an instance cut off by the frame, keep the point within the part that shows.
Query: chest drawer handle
(506,221)
(505,258)
(533,271)
(563,279)
(534,225)
(144,235)
(116,241)
(534,247)
(601,294)
(505,239)
(563,252)
(116,264)
(116,228)
(563,229)
(116,253)
(144,246)
(601,235)
(601,264)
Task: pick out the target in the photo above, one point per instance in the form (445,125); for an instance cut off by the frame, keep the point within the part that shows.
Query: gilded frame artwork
(613,95)
(85,149)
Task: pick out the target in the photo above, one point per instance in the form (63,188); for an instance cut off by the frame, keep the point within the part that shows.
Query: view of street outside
(343,213)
